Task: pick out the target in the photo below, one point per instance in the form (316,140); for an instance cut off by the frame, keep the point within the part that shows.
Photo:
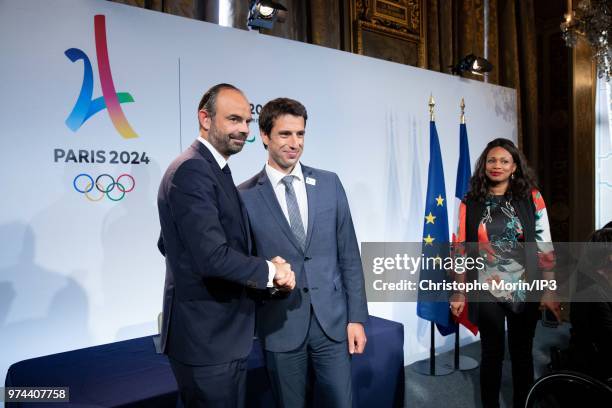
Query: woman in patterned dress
(502,212)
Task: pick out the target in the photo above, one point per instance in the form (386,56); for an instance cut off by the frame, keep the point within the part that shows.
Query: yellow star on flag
(430,218)
(440,200)
(429,240)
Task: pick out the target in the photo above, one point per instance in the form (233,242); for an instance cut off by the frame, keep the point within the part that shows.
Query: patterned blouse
(500,234)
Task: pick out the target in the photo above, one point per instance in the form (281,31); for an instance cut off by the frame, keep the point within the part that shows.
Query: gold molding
(365,18)
(387,16)
(389,32)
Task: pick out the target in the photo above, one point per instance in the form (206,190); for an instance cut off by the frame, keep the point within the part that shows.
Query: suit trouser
(330,362)
(521,329)
(216,386)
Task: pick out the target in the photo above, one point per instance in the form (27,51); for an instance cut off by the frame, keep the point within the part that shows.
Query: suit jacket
(330,263)
(207,316)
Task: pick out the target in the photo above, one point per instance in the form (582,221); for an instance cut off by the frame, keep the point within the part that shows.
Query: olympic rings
(131,178)
(105,184)
(89,197)
(89,185)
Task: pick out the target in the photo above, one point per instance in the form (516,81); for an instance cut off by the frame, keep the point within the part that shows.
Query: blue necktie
(295,220)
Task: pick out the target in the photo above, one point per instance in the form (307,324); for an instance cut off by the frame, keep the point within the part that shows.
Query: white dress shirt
(218,156)
(299,187)
(222,162)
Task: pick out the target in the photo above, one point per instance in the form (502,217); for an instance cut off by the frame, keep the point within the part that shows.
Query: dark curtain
(455,28)
(205,10)
(314,21)
(440,39)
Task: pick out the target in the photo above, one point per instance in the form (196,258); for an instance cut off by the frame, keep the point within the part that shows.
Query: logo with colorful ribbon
(85,107)
(105,185)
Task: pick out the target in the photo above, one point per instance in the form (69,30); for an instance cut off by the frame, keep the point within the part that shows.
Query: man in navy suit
(208,320)
(302,214)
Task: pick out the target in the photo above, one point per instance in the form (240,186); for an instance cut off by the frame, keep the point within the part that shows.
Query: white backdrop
(76,272)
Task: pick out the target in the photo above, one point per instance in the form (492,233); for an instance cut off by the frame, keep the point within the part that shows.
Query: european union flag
(433,305)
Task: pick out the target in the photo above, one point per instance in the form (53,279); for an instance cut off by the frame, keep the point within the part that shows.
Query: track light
(264,13)
(473,64)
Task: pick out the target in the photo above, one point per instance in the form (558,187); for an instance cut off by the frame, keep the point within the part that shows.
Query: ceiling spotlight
(264,13)
(472,64)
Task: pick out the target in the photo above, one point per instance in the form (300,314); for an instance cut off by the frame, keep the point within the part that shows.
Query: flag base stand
(464,363)
(431,366)
(467,363)
(439,368)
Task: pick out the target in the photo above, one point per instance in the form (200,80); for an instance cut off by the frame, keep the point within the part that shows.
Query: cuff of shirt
(271,273)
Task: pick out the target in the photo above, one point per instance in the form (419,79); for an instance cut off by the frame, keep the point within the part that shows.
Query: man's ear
(265,138)
(205,119)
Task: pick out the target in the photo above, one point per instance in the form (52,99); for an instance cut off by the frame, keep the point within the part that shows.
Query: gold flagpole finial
(462,105)
(432,104)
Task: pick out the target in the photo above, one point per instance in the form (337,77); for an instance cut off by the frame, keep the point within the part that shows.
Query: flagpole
(462,363)
(432,351)
(430,366)
(432,339)
(432,105)
(457,356)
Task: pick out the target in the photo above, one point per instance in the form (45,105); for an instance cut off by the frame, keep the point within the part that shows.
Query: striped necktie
(295,219)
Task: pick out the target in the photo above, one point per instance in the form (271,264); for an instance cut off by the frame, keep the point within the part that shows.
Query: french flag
(464,173)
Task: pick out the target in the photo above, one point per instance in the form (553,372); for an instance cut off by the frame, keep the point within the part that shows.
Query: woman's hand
(549,301)
(457,303)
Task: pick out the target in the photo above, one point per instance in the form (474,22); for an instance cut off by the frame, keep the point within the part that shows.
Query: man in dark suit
(302,214)
(208,320)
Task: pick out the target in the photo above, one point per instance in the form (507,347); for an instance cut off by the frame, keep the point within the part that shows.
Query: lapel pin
(311,181)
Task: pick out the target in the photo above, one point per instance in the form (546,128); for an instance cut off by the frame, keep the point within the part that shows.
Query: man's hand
(278,260)
(284,279)
(356,338)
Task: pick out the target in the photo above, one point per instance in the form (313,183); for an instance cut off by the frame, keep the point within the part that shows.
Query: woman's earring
(512,176)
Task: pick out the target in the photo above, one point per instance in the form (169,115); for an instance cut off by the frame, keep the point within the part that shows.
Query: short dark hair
(209,99)
(278,107)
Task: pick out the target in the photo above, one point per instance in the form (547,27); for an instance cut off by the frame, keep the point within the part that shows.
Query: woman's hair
(520,185)
(599,254)
(602,235)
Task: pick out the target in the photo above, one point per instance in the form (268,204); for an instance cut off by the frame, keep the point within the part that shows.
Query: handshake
(284,279)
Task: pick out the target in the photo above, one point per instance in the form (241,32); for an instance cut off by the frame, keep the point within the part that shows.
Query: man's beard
(222,142)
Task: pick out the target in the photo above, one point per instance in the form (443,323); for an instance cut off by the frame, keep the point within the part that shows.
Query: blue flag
(434,305)
(464,169)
